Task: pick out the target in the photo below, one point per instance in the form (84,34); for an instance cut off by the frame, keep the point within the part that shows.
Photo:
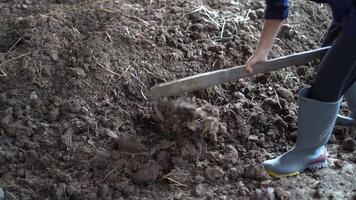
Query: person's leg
(337,71)
(350,95)
(318,108)
(331,34)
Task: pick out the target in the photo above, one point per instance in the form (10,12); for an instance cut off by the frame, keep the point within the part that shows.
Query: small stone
(73,60)
(199,179)
(54,55)
(162,39)
(252,15)
(269,102)
(33,95)
(232,149)
(339,164)
(239,95)
(281,194)
(7,120)
(110,133)
(56,101)
(198,190)
(349,169)
(285,93)
(287,29)
(253,138)
(178,196)
(86,66)
(260,12)
(270,192)
(336,195)
(259,194)
(264,194)
(78,72)
(214,173)
(221,53)
(242,189)
(256,172)
(349,144)
(53,115)
(158,16)
(66,138)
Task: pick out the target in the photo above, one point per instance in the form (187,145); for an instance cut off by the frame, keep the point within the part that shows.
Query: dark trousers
(337,70)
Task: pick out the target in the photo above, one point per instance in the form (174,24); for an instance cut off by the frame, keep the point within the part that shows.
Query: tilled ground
(76,122)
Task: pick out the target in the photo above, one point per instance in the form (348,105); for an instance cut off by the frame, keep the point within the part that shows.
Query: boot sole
(312,166)
(317,166)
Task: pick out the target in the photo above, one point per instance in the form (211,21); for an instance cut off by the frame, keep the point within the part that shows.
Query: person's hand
(256,57)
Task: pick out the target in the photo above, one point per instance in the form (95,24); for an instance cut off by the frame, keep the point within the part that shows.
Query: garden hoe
(208,79)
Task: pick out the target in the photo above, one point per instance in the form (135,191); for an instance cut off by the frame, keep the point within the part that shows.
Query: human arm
(275,13)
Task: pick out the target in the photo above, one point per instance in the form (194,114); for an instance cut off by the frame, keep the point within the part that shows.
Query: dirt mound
(76,122)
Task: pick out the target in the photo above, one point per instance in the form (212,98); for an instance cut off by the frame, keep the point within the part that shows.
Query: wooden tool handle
(205,80)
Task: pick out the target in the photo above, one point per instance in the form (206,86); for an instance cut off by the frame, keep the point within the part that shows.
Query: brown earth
(76,122)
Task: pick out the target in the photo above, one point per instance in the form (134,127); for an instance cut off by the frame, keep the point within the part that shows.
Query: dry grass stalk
(10,60)
(175,182)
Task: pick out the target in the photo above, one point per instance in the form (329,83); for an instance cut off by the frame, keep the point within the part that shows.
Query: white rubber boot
(316,121)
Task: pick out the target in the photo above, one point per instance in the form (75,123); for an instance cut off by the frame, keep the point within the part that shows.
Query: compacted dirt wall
(76,121)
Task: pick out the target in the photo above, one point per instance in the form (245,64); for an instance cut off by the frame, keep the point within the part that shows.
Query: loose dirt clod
(281,194)
(256,172)
(185,116)
(214,173)
(148,173)
(129,144)
(349,144)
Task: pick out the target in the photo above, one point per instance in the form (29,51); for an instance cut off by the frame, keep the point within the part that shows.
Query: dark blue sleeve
(276,9)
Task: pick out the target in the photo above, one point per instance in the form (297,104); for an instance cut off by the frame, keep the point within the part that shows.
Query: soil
(76,122)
